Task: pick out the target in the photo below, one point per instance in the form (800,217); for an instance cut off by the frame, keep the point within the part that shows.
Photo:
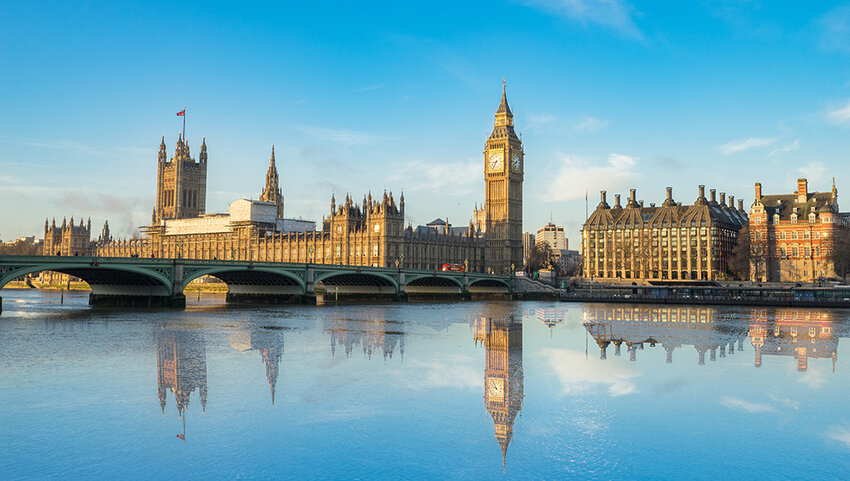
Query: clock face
(496,387)
(496,161)
(516,162)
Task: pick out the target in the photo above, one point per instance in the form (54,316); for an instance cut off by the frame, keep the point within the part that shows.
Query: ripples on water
(500,390)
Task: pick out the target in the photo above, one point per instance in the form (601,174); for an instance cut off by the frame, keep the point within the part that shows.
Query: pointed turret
(163,155)
(203,155)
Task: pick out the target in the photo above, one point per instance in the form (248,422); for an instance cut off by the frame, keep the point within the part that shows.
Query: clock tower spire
(504,161)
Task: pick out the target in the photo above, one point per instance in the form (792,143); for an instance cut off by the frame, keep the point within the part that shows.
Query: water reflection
(800,333)
(268,340)
(378,336)
(503,374)
(181,367)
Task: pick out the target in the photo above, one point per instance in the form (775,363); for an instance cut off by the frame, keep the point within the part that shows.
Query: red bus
(453,267)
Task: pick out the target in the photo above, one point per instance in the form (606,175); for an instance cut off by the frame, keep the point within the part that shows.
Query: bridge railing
(208,262)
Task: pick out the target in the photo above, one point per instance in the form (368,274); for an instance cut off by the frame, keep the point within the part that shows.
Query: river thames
(468,390)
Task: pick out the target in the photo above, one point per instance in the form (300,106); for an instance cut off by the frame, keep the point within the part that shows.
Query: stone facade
(181,183)
(503,175)
(371,233)
(669,242)
(791,234)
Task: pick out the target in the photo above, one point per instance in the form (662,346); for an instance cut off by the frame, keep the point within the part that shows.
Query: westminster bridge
(133,281)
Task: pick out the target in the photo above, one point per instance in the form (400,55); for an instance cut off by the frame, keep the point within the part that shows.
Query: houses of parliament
(370,232)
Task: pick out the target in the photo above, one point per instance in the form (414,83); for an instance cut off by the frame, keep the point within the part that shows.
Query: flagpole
(184,123)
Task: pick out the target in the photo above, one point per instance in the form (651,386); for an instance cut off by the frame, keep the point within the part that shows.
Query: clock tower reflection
(503,375)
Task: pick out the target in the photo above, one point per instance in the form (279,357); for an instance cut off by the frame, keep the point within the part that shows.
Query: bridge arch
(360,280)
(431,279)
(238,278)
(492,284)
(102,278)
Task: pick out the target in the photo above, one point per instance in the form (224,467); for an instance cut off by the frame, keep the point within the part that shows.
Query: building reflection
(268,341)
(378,337)
(670,326)
(802,334)
(181,367)
(503,374)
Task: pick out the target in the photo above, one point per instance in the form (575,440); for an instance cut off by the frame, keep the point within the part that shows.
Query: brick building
(791,234)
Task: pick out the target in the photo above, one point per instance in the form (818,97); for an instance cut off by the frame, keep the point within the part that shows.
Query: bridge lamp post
(396,263)
(180,248)
(232,253)
(310,251)
(466,265)
(513,269)
(402,260)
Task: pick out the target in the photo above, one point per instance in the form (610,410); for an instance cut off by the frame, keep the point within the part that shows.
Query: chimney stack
(802,190)
(713,196)
(617,200)
(702,192)
(741,205)
(732,201)
(723,198)
(758,191)
(669,193)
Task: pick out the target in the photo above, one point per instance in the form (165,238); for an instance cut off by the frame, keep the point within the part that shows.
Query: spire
(504,108)
(163,155)
(272,161)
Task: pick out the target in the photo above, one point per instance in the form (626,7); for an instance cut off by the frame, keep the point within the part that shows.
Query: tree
(739,261)
(540,258)
(839,252)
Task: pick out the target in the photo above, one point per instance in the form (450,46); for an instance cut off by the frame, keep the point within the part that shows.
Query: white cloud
(840,434)
(615,14)
(456,372)
(742,145)
(578,176)
(537,120)
(579,375)
(428,176)
(839,115)
(590,124)
(815,172)
(785,148)
(787,402)
(741,405)
(835,29)
(346,137)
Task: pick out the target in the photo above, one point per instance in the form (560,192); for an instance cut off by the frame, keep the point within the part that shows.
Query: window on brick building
(795,251)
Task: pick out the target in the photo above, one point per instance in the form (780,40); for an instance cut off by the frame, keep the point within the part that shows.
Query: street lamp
(310,251)
(180,248)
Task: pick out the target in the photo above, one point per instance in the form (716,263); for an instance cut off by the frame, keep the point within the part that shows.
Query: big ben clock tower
(504,164)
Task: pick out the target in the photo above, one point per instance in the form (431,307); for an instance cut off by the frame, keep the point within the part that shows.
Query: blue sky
(607,94)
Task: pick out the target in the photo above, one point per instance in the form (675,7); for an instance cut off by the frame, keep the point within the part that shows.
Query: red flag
(181,113)
(182,436)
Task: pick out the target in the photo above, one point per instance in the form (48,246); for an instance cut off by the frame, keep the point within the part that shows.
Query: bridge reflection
(799,333)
